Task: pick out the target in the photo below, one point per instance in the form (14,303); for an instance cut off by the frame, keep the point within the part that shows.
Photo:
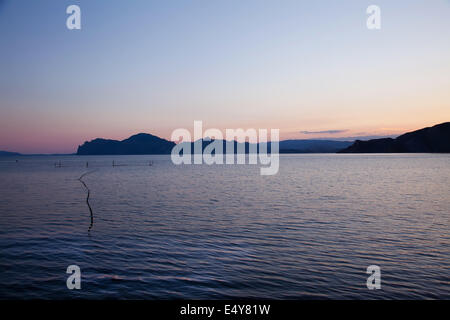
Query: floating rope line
(87,198)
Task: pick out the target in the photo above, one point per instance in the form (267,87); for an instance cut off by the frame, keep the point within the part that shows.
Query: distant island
(7,153)
(144,143)
(428,140)
(434,139)
(312,146)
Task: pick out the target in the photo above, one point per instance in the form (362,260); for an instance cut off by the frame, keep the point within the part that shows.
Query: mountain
(141,143)
(7,153)
(312,146)
(431,139)
(237,146)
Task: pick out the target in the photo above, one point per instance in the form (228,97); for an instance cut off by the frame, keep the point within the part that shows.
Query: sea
(154,230)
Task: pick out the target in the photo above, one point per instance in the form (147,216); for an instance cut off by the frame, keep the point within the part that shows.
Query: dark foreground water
(209,232)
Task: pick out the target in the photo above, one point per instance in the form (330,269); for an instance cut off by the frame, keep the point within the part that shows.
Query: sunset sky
(310,68)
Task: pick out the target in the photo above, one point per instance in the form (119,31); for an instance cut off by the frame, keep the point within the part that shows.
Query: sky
(309,68)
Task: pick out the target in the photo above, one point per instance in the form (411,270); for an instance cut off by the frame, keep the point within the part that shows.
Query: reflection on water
(165,231)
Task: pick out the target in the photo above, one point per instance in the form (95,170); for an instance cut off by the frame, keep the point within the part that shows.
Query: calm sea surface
(210,232)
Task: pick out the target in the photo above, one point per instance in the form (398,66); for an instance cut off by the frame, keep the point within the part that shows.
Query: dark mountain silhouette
(206,142)
(141,143)
(312,146)
(431,139)
(7,153)
(238,147)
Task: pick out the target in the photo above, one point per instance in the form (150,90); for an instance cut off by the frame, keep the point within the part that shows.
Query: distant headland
(434,139)
(144,143)
(7,153)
